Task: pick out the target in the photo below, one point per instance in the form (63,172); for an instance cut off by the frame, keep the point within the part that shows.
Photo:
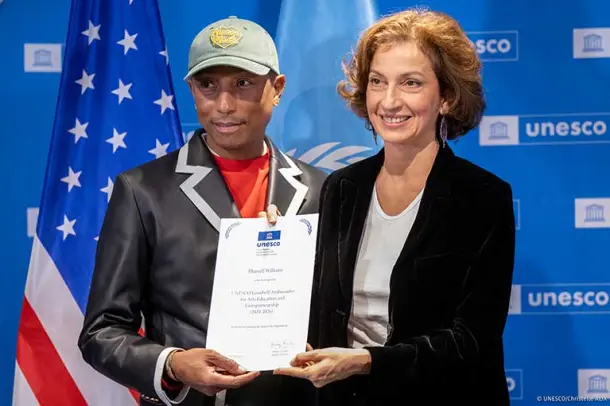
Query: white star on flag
(67,227)
(159,150)
(108,189)
(117,140)
(123,91)
(166,55)
(79,131)
(129,42)
(72,179)
(165,101)
(86,82)
(93,32)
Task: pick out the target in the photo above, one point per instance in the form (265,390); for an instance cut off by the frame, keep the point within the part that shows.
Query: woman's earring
(443,131)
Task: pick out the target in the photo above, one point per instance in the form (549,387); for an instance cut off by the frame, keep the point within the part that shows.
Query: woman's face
(403,96)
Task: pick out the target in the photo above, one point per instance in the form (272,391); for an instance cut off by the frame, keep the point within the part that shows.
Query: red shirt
(247,181)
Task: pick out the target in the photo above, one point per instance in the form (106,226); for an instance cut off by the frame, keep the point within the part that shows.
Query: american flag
(115,110)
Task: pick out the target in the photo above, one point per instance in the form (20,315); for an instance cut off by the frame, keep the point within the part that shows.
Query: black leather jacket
(156,257)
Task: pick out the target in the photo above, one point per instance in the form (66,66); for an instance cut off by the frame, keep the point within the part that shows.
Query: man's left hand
(271,214)
(328,365)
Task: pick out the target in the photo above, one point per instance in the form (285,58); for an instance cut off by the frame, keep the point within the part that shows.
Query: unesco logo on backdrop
(545,129)
(514,382)
(496,46)
(42,57)
(593,383)
(592,213)
(560,299)
(591,43)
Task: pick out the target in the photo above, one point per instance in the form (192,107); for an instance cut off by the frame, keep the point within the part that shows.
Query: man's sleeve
(109,341)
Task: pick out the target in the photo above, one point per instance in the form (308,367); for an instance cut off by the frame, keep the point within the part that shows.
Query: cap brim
(233,61)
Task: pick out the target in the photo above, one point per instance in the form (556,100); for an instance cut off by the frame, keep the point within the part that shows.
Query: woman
(416,245)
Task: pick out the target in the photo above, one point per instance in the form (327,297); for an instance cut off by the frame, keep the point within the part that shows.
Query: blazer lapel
(205,188)
(285,190)
(434,206)
(355,195)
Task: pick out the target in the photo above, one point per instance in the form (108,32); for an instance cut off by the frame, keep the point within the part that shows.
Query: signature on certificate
(281,347)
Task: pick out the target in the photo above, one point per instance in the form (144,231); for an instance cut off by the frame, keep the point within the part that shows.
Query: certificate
(259,314)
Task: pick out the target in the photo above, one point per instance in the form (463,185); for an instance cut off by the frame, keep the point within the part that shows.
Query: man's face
(234,107)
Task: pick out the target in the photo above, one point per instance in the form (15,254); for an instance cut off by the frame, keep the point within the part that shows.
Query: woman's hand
(328,365)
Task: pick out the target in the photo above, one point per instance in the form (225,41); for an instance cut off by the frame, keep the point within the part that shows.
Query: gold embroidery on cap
(225,37)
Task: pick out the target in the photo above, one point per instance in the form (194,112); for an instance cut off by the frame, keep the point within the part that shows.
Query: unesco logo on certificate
(268,242)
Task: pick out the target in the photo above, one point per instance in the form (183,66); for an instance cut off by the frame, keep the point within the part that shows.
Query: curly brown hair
(453,57)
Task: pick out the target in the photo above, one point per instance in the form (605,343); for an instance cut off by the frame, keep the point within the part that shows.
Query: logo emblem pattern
(225,37)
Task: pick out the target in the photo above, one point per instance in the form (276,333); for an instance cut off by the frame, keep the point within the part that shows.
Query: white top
(382,241)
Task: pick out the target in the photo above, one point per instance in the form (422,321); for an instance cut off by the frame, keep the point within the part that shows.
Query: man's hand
(271,214)
(209,372)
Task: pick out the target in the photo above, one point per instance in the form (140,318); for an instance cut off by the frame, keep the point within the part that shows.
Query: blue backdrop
(546,131)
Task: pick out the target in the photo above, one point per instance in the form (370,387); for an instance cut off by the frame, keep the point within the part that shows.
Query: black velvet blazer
(449,289)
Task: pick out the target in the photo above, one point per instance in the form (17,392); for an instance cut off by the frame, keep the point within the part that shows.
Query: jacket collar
(363,174)
(207,190)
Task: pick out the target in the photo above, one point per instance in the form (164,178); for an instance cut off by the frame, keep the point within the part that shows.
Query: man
(157,248)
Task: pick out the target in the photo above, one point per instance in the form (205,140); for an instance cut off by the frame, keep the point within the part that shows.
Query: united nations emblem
(225,37)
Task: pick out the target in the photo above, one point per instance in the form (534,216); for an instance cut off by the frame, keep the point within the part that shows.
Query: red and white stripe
(50,369)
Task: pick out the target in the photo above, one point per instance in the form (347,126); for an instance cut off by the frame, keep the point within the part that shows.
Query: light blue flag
(312,122)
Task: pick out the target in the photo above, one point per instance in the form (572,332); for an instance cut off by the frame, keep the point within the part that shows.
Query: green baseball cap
(233,42)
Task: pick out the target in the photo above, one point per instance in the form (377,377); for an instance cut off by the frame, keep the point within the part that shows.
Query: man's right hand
(209,372)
